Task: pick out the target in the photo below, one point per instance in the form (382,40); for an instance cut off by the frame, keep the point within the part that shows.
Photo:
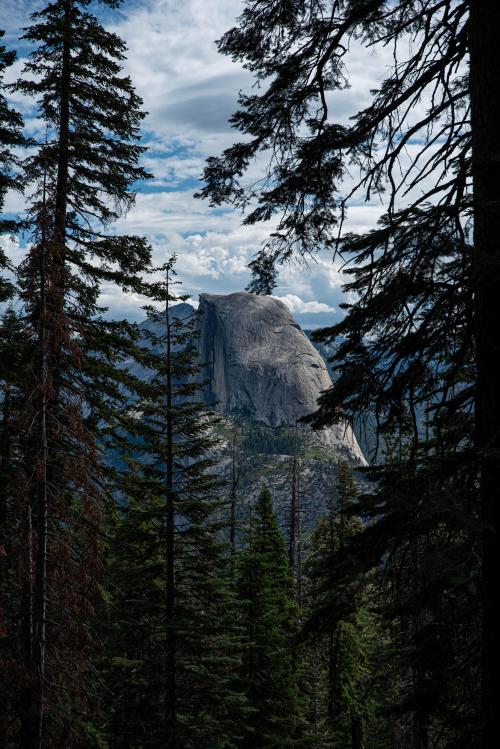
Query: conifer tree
(417,335)
(80,179)
(11,137)
(174,645)
(269,615)
(12,376)
(350,707)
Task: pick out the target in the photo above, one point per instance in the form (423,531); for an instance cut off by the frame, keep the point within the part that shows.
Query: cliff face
(261,366)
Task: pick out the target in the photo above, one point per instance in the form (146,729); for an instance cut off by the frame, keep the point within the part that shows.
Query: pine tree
(352,690)
(418,336)
(12,377)
(81,179)
(11,137)
(174,643)
(269,615)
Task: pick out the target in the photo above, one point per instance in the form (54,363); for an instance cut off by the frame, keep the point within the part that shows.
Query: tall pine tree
(266,591)
(81,179)
(11,138)
(417,335)
(173,648)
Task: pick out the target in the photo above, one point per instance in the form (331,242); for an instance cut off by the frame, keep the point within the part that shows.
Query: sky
(189,91)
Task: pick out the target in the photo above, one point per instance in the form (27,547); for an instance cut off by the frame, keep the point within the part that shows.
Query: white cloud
(297,305)
(189,91)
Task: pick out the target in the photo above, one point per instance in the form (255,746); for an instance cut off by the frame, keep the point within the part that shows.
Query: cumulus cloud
(189,92)
(296,304)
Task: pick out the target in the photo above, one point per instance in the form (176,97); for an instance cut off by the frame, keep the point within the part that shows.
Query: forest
(149,596)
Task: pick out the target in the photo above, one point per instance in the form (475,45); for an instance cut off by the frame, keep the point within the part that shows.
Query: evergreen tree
(80,179)
(351,688)
(12,376)
(11,137)
(173,646)
(418,335)
(269,615)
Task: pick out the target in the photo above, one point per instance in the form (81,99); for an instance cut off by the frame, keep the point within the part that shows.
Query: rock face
(260,365)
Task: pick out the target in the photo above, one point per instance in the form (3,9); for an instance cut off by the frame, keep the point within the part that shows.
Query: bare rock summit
(260,364)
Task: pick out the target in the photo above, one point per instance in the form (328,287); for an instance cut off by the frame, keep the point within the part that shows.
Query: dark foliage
(268,673)
(417,337)
(11,138)
(174,631)
(80,179)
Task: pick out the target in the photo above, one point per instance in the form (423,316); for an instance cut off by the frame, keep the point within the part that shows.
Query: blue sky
(189,91)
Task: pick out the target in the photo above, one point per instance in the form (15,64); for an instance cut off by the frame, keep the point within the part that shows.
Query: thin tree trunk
(50,318)
(333,659)
(485,95)
(171,656)
(235,477)
(26,700)
(420,739)
(33,715)
(356,730)
(295,547)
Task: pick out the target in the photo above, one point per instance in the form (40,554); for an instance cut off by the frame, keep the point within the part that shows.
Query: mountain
(263,375)
(261,366)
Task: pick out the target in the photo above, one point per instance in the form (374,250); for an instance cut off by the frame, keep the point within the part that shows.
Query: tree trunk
(485,95)
(26,697)
(294,547)
(51,309)
(420,739)
(356,730)
(171,657)
(235,477)
(333,659)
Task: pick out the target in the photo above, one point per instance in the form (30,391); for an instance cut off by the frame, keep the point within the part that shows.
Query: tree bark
(171,655)
(356,730)
(52,259)
(485,95)
(295,546)
(235,478)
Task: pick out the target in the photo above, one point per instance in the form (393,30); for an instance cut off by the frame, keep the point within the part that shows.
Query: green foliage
(417,344)
(72,396)
(350,688)
(199,651)
(173,643)
(270,619)
(11,137)
(259,438)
